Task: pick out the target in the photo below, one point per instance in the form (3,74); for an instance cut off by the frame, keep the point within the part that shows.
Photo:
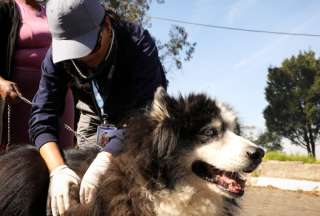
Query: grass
(280,156)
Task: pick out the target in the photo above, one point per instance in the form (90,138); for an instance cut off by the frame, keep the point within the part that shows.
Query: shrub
(280,156)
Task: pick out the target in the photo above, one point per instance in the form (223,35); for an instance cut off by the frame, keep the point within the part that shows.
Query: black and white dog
(182,157)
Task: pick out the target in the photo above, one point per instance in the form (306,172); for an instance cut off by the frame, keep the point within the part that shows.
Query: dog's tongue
(230,184)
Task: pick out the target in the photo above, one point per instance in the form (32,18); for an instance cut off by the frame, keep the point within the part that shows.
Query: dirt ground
(260,201)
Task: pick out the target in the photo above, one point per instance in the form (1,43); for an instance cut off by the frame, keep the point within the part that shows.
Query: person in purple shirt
(113,69)
(24,41)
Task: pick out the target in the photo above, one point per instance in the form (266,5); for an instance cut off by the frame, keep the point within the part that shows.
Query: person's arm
(147,70)
(47,106)
(100,165)
(51,155)
(8,90)
(93,176)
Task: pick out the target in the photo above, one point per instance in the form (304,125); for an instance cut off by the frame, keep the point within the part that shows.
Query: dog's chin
(229,184)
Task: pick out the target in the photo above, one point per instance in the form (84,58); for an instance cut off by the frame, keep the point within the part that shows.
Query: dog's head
(194,137)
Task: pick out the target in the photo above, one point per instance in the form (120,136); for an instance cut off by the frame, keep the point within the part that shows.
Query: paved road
(260,201)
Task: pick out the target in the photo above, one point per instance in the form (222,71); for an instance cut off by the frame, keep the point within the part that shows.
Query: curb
(285,184)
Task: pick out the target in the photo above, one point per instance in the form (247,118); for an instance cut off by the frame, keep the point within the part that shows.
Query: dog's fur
(164,170)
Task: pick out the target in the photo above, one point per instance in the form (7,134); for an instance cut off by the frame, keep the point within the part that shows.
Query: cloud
(202,9)
(279,43)
(238,8)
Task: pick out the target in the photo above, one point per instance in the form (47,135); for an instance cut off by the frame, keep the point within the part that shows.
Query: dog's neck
(231,207)
(186,200)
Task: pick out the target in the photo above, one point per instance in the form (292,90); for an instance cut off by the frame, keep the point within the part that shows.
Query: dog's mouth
(230,182)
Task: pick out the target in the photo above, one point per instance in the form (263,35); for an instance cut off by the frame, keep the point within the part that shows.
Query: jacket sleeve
(148,71)
(48,103)
(148,74)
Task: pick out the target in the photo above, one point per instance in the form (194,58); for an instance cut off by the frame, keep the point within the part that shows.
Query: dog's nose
(256,154)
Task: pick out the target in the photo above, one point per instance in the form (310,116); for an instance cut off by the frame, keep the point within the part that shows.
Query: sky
(232,66)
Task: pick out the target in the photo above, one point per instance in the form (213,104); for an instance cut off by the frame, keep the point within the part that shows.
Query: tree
(173,52)
(270,141)
(293,94)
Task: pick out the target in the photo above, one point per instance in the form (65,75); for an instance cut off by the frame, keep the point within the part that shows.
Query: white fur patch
(188,199)
(227,114)
(228,153)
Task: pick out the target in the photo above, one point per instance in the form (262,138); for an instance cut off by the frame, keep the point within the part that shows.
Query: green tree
(173,52)
(293,94)
(270,141)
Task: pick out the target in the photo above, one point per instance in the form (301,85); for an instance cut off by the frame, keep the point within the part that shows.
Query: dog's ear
(164,139)
(229,117)
(159,109)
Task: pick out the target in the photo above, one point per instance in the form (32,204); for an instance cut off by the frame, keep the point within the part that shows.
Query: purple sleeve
(115,144)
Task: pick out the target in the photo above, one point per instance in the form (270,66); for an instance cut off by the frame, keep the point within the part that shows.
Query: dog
(182,157)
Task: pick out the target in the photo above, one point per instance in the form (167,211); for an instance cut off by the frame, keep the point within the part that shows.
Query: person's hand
(9,91)
(93,177)
(61,180)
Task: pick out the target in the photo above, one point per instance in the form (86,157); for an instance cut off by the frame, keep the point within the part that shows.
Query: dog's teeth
(242,176)
(208,179)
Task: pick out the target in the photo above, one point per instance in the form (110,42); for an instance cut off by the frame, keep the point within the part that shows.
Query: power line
(235,29)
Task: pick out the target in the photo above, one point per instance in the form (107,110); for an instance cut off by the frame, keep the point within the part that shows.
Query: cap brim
(76,48)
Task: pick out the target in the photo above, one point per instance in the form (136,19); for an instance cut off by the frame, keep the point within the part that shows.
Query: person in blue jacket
(113,69)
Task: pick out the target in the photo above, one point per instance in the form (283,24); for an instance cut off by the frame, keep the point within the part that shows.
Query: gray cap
(74,25)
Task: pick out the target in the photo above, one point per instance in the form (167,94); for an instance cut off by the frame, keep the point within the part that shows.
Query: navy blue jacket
(138,72)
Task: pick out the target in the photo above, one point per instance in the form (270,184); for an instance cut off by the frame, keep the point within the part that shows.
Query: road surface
(267,201)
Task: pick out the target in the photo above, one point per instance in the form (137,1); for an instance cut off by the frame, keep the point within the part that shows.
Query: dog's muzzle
(255,156)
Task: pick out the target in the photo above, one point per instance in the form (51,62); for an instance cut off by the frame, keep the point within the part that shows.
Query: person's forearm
(51,154)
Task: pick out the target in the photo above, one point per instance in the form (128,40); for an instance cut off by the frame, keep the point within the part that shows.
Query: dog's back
(24,180)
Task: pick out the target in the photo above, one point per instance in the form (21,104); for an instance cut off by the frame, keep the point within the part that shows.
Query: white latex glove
(61,179)
(92,177)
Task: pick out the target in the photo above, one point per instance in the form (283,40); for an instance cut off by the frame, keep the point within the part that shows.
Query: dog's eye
(210,132)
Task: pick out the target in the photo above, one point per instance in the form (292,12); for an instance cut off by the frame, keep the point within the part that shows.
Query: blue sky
(232,66)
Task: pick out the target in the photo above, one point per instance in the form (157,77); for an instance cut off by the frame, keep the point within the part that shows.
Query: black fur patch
(24,180)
